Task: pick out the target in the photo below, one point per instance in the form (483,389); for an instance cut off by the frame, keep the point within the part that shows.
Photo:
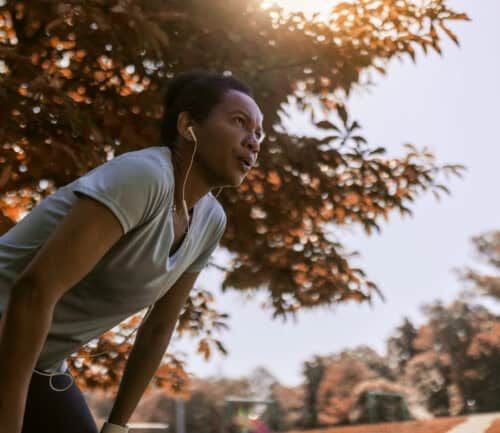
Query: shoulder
(220,213)
(150,166)
(214,212)
(134,185)
(151,160)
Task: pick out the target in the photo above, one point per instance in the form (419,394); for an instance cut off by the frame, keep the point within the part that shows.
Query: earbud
(191,131)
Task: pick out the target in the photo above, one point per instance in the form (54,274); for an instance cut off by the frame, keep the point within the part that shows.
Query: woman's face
(229,139)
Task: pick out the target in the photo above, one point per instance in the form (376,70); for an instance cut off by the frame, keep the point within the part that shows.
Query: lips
(246,163)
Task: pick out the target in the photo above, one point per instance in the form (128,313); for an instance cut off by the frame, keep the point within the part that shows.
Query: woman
(134,232)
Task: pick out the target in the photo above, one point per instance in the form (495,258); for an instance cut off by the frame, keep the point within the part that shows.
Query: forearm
(150,346)
(142,364)
(23,330)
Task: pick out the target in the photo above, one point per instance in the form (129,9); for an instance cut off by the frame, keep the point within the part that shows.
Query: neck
(195,185)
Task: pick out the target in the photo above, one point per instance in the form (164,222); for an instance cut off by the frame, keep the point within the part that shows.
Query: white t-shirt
(138,188)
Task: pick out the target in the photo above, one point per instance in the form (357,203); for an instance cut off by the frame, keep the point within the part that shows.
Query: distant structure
(380,406)
(233,404)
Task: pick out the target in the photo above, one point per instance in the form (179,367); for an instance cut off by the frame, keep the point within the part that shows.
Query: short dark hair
(196,92)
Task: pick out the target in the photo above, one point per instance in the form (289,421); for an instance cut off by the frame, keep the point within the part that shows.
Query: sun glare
(308,7)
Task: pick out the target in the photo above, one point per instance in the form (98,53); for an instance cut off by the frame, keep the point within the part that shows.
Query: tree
(288,412)
(390,409)
(335,396)
(482,378)
(82,81)
(204,407)
(336,380)
(261,383)
(455,354)
(400,347)
(487,247)
(313,372)
(378,364)
(484,350)
(100,364)
(429,374)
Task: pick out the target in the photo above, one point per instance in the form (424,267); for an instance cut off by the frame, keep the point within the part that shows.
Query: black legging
(49,411)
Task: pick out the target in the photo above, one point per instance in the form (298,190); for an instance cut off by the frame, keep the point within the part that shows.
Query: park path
(475,424)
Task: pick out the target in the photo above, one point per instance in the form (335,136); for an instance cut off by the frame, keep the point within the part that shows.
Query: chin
(229,178)
(235,179)
(234,183)
(240,180)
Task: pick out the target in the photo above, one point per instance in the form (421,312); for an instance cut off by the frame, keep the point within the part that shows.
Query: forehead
(234,100)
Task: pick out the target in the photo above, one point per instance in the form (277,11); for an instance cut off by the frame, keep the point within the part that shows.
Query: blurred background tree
(82,81)
(482,377)
(448,365)
(487,248)
(400,346)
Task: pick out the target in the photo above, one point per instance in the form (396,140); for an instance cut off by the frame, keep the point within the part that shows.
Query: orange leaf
(274,179)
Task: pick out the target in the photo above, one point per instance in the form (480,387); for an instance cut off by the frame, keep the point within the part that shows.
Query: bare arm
(149,347)
(76,245)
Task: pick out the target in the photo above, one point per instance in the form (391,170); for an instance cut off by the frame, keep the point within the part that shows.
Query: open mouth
(245,164)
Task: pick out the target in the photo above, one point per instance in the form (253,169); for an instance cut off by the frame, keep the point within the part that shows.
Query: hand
(113,428)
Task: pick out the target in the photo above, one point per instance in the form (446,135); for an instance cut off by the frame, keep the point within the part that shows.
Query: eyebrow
(239,110)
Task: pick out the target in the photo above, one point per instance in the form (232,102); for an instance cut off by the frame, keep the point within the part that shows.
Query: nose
(252,142)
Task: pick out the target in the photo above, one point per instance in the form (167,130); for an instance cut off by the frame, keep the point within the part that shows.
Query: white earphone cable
(51,375)
(184,204)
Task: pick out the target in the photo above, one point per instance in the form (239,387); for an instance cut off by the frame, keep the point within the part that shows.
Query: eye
(241,119)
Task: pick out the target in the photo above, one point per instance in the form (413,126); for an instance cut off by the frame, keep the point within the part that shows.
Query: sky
(450,105)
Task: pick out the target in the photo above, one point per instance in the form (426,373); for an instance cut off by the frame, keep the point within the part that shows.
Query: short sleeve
(132,186)
(202,260)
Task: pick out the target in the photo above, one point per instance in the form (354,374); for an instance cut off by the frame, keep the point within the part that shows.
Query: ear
(184,121)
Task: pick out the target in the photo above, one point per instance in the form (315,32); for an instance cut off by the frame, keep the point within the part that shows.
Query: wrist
(113,428)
